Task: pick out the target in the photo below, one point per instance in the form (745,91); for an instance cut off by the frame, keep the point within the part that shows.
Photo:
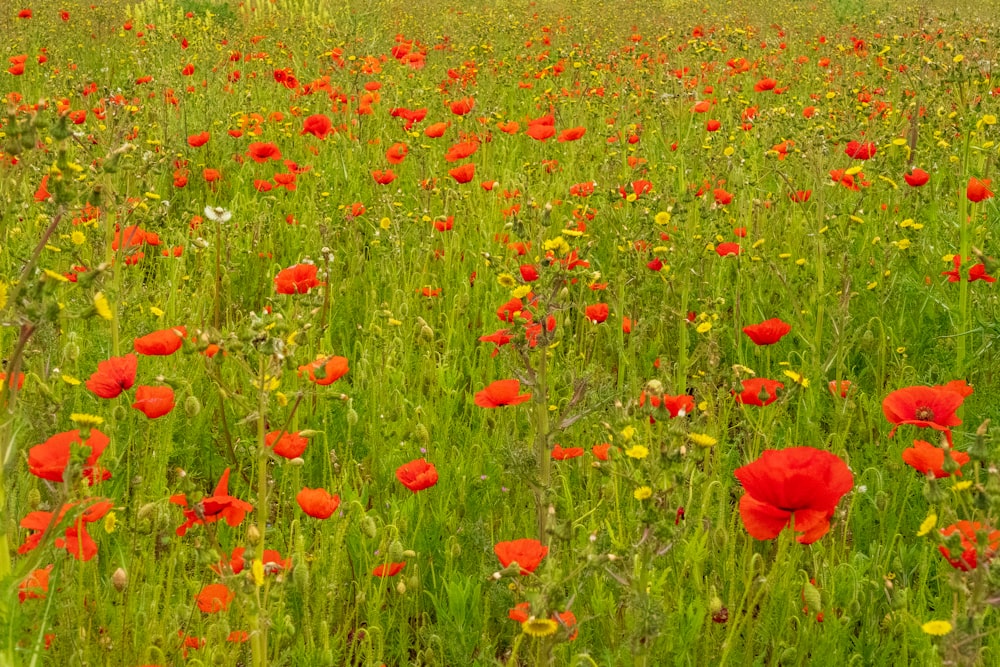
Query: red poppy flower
(499,338)
(511,310)
(722,197)
(388,569)
(417,475)
(214,598)
(298,279)
(461,150)
(972,553)
(916,178)
(560,453)
(572,134)
(397,153)
(500,393)
(926,458)
(325,371)
(435,130)
(800,196)
(464,173)
(154,401)
(272,560)
(211,175)
(678,406)
(11,384)
(840,388)
(198,140)
(713,125)
(540,132)
(462,106)
(160,343)
(287,445)
(527,553)
(317,503)
(728,248)
(978,190)
(767,332)
(597,312)
(797,487)
(383,177)
(76,540)
(923,407)
(261,152)
(35,585)
(317,125)
(529,273)
(859,151)
(765,84)
(113,376)
(601,451)
(758,391)
(49,459)
(220,505)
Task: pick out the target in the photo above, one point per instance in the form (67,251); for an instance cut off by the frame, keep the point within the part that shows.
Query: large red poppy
(49,459)
(926,458)
(971,553)
(298,279)
(160,343)
(76,540)
(325,371)
(767,332)
(797,487)
(758,391)
(114,376)
(154,401)
(417,475)
(925,407)
(500,393)
(317,503)
(220,505)
(287,445)
(527,553)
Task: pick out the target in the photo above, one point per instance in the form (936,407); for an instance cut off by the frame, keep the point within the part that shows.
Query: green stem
(963,252)
(542,446)
(259,623)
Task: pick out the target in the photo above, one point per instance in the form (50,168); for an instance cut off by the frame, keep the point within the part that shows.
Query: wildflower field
(473,333)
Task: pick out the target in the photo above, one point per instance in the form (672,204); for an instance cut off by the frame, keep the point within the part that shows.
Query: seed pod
(119,579)
(192,406)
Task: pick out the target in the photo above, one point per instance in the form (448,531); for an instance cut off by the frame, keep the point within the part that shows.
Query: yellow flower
(102,307)
(628,432)
(637,452)
(385,223)
(796,378)
(506,280)
(81,419)
(78,237)
(56,276)
(927,525)
(704,327)
(110,522)
(702,439)
(521,292)
(662,218)
(258,571)
(961,486)
(936,628)
(539,627)
(642,493)
(3,295)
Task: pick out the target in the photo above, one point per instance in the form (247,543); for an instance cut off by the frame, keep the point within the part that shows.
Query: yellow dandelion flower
(102,307)
(110,522)
(642,493)
(56,276)
(258,571)
(385,223)
(69,379)
(78,237)
(521,292)
(506,280)
(704,327)
(702,439)
(82,419)
(796,378)
(628,432)
(3,295)
(637,452)
(662,218)
(539,627)
(936,628)
(961,486)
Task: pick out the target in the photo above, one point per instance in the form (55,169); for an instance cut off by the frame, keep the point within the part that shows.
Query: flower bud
(253,534)
(368,527)
(192,406)
(119,579)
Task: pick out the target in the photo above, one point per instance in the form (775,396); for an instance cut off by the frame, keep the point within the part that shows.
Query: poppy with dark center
(796,488)
(220,505)
(973,548)
(317,503)
(758,391)
(527,553)
(767,332)
(325,370)
(114,376)
(500,393)
(925,407)
(49,459)
(388,569)
(926,458)
(160,343)
(417,475)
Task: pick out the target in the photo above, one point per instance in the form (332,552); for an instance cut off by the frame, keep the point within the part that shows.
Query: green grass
(673,578)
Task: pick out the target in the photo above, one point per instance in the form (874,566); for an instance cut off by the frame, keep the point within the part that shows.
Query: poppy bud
(120,413)
(396,551)
(812,597)
(192,406)
(426,334)
(253,534)
(655,387)
(401,588)
(933,492)
(421,434)
(119,579)
(71,352)
(368,527)
(352,417)
(34,498)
